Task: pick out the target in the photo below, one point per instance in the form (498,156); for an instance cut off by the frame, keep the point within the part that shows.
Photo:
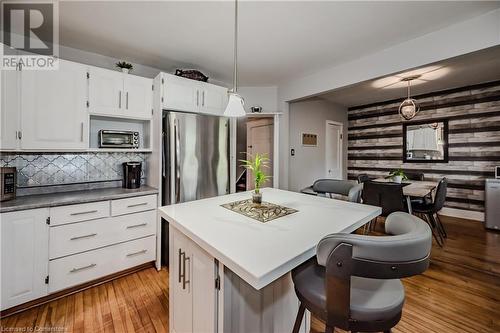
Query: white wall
(468,36)
(310,116)
(267,97)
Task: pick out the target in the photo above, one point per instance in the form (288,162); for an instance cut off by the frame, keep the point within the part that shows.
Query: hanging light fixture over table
(235,103)
(409,108)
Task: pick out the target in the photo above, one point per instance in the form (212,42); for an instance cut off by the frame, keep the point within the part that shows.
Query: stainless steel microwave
(118,139)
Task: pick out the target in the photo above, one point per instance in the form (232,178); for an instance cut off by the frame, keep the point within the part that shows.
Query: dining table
(413,189)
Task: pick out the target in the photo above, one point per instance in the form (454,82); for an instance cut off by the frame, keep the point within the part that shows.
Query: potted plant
(397,176)
(124,66)
(256,165)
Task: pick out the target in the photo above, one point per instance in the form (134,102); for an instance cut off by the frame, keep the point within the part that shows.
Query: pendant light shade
(235,102)
(409,108)
(234,106)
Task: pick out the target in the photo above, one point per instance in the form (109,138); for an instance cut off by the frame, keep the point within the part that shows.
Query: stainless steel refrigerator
(195,160)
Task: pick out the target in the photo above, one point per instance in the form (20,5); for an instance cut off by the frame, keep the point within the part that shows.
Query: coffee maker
(132,174)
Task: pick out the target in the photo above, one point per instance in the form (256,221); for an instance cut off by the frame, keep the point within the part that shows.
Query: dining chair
(354,282)
(430,208)
(338,189)
(414,175)
(362,178)
(388,196)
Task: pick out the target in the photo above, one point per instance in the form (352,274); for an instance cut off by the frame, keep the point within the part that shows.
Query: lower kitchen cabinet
(51,249)
(25,256)
(193,289)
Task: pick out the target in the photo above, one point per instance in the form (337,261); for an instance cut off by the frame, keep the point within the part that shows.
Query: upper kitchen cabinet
(53,108)
(113,93)
(181,94)
(10,104)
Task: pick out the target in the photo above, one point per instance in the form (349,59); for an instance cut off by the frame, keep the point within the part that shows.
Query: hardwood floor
(459,293)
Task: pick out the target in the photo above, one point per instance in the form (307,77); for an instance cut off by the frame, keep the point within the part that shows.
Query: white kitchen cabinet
(192,290)
(181,94)
(25,256)
(213,99)
(10,97)
(105,91)
(138,96)
(53,108)
(113,93)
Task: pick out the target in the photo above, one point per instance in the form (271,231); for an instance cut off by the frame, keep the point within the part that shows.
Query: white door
(213,99)
(181,293)
(9,122)
(260,140)
(138,96)
(333,150)
(53,108)
(180,94)
(24,255)
(106,95)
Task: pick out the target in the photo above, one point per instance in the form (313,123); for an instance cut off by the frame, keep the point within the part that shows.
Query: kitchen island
(231,273)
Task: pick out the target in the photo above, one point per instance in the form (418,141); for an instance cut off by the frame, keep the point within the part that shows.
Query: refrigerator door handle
(177,162)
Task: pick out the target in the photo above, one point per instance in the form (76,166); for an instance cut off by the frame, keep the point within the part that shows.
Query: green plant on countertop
(256,165)
(397,173)
(123,64)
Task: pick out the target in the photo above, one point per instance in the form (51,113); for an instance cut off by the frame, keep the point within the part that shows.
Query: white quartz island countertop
(262,252)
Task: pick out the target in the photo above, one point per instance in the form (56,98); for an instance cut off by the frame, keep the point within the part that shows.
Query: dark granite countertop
(73,197)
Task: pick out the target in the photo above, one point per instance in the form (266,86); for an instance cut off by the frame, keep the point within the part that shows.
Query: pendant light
(235,103)
(409,108)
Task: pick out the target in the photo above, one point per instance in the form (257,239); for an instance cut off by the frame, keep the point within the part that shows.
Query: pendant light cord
(235,73)
(409,83)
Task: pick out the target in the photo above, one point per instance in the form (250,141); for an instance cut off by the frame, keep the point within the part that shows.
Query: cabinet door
(53,108)
(106,95)
(180,94)
(138,96)
(25,257)
(9,122)
(203,289)
(182,301)
(213,99)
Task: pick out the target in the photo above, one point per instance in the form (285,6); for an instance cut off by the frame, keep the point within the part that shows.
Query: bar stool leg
(298,320)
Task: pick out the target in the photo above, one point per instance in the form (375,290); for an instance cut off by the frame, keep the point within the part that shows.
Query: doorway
(255,135)
(333,149)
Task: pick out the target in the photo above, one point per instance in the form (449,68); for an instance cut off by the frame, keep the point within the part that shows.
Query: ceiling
(469,69)
(279,41)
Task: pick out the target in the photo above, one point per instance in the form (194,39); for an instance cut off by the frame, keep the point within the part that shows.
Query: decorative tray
(263,212)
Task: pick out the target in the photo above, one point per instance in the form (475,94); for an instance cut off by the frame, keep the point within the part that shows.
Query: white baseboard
(462,213)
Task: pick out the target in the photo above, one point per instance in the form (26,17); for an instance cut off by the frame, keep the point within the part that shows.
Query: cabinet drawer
(79,237)
(77,213)
(79,268)
(133,205)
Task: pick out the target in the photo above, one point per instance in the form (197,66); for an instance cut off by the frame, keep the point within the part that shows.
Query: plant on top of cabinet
(125,67)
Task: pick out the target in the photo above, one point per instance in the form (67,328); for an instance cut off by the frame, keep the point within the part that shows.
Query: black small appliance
(132,174)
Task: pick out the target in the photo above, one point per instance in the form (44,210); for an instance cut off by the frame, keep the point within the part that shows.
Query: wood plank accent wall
(376,140)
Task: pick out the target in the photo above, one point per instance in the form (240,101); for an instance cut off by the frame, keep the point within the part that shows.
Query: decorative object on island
(256,109)
(256,165)
(263,212)
(235,104)
(192,74)
(409,108)
(125,67)
(397,176)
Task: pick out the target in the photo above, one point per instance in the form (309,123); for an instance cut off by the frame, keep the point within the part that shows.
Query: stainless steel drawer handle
(82,237)
(74,270)
(136,205)
(136,253)
(82,213)
(136,225)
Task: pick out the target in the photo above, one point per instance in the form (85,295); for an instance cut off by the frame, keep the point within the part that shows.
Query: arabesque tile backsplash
(68,168)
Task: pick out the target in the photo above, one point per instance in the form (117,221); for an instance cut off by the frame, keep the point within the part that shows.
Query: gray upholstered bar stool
(354,285)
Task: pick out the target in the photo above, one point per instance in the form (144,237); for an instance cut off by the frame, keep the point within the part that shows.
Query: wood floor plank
(460,292)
